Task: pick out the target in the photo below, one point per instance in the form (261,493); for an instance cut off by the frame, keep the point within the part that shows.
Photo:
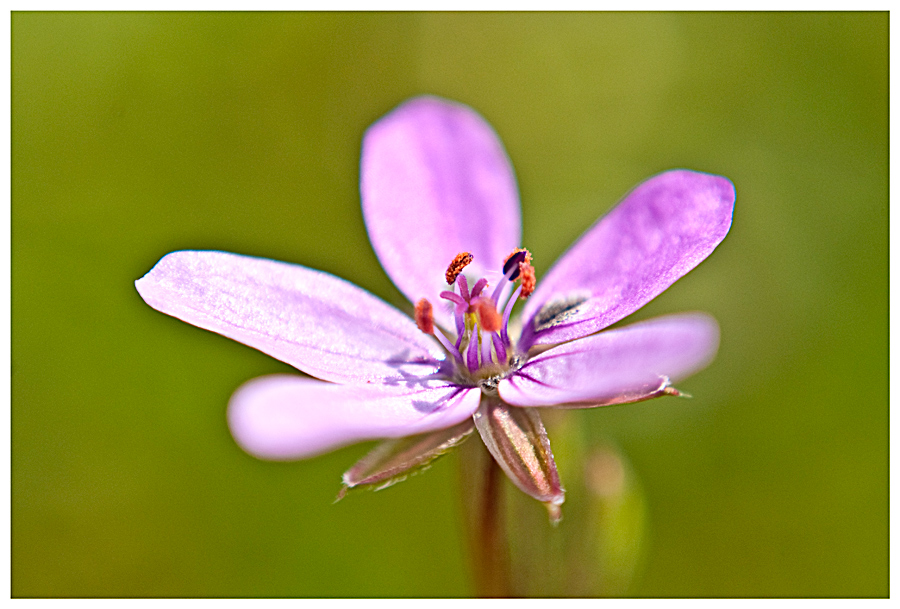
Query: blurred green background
(137,134)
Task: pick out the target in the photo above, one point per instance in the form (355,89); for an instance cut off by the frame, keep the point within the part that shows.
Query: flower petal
(660,231)
(290,417)
(626,364)
(322,325)
(518,442)
(436,181)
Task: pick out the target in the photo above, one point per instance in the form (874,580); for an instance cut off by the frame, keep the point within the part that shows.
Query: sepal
(517,440)
(393,460)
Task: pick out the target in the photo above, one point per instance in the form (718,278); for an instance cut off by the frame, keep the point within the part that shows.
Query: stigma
(480,348)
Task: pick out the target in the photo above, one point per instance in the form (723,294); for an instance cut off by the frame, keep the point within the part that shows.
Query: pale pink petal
(660,231)
(629,361)
(290,417)
(435,181)
(322,325)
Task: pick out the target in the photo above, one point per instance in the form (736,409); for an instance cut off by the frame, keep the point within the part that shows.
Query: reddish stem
(492,563)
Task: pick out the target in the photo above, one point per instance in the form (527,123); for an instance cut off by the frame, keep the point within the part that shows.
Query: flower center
(481,350)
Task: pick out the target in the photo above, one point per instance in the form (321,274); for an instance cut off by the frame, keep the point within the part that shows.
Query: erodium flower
(441,206)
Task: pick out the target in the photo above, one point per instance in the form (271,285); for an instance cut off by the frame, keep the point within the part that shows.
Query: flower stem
(494,573)
(483,486)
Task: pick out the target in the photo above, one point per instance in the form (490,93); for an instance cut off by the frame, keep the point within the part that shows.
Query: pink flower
(441,205)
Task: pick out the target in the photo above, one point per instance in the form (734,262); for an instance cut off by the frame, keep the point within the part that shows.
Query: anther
(459,263)
(526,274)
(487,314)
(511,262)
(425,316)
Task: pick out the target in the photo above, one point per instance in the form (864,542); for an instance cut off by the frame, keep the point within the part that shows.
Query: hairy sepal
(393,460)
(517,440)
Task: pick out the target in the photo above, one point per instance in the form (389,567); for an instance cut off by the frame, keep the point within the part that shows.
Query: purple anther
(512,264)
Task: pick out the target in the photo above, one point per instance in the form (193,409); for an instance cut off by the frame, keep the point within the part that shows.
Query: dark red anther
(425,316)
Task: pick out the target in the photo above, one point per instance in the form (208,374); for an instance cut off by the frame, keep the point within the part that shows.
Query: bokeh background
(137,134)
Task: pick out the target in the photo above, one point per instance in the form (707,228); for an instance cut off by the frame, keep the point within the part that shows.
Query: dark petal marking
(559,310)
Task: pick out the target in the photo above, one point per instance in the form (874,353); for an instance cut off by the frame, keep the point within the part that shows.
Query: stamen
(472,352)
(479,323)
(425,322)
(501,292)
(499,348)
(456,267)
(526,273)
(451,349)
(487,314)
(506,313)
(511,262)
(425,316)
(516,266)
(486,349)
